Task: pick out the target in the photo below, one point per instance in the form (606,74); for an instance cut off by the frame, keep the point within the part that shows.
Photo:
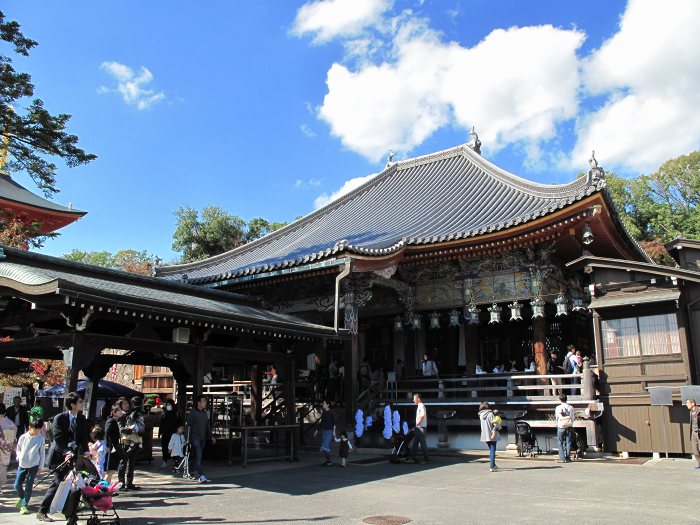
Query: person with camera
(70,438)
(132,428)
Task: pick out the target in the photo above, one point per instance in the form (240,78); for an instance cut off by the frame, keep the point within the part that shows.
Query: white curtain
(659,335)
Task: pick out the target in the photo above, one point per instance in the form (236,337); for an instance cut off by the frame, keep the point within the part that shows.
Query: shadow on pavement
(309,480)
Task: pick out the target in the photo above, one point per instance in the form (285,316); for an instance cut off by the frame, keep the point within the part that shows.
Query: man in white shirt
(564,414)
(420,430)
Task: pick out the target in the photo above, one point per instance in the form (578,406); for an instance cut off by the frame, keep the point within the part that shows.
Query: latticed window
(635,336)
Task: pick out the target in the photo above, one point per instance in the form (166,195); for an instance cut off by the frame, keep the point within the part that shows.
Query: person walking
(199,433)
(131,422)
(8,433)
(112,439)
(70,438)
(564,414)
(420,430)
(169,422)
(327,431)
(17,412)
(489,433)
(30,460)
(694,429)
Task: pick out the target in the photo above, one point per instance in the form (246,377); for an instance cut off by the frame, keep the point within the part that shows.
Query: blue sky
(271,108)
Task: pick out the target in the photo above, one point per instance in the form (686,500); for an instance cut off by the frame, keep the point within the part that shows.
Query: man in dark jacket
(18,414)
(199,433)
(70,438)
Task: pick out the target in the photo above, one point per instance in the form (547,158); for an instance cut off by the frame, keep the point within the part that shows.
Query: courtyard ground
(447,490)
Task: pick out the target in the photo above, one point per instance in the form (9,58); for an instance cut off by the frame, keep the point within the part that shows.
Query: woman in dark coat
(169,422)
(114,446)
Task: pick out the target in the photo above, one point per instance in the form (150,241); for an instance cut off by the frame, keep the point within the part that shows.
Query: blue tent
(105,390)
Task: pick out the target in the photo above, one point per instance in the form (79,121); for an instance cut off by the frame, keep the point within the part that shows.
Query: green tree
(31,136)
(662,206)
(128,260)
(214,231)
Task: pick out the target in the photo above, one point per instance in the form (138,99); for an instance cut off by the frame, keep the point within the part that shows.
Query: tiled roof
(35,274)
(14,192)
(452,194)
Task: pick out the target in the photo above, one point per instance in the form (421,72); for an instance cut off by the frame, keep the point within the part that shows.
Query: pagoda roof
(19,199)
(445,196)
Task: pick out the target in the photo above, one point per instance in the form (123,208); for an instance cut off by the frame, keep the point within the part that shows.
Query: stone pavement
(448,490)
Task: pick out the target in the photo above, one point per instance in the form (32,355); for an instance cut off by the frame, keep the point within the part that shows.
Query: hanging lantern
(416,322)
(434,320)
(454,317)
(561,304)
(578,305)
(515,309)
(471,313)
(495,312)
(537,307)
(398,325)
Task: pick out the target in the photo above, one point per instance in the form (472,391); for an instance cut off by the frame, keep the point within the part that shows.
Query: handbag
(566,422)
(61,495)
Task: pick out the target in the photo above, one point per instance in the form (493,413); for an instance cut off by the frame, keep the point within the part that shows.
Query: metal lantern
(416,322)
(454,317)
(495,312)
(578,305)
(537,307)
(561,304)
(515,309)
(434,320)
(398,324)
(471,313)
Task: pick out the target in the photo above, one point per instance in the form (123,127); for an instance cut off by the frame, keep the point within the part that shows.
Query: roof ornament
(474,143)
(390,158)
(595,173)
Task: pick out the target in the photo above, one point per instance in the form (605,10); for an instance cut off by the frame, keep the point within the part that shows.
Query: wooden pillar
(256,394)
(198,378)
(539,328)
(70,358)
(354,389)
(598,342)
(471,348)
(181,378)
(96,371)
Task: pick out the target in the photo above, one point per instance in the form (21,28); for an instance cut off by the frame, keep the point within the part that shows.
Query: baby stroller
(90,499)
(526,439)
(184,463)
(401,450)
(578,446)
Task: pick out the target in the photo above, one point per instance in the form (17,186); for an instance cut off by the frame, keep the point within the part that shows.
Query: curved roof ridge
(311,238)
(298,224)
(537,189)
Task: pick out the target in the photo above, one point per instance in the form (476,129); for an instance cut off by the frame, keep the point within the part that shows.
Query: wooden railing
(512,389)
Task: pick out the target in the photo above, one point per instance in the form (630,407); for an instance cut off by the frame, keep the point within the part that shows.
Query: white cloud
(347,187)
(515,85)
(650,72)
(132,86)
(329,19)
(307,131)
(400,81)
(311,183)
